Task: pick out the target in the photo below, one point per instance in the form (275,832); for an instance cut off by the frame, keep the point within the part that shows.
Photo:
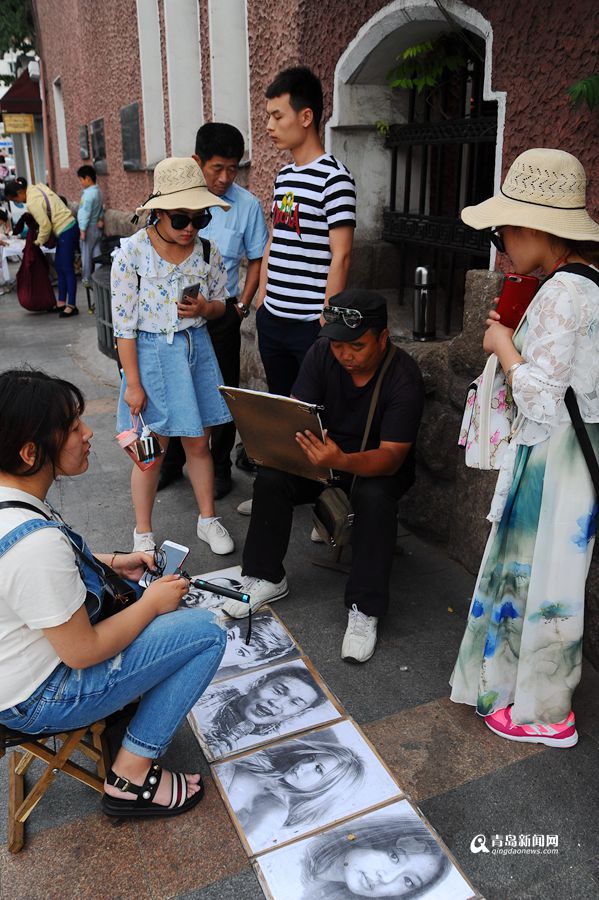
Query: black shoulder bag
(333,514)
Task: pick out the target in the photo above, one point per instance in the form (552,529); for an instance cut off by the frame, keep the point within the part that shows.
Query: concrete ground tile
(85,860)
(430,749)
(569,884)
(244,886)
(555,792)
(188,852)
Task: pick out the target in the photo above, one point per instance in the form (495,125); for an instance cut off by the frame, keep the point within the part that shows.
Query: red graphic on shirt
(287,214)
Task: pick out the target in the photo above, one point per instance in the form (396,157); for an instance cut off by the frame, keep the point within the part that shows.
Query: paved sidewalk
(465,780)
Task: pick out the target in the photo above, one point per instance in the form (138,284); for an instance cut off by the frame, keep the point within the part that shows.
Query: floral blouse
(153,306)
(561,348)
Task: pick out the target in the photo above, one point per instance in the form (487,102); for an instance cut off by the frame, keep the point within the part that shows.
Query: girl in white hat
(170,371)
(520,658)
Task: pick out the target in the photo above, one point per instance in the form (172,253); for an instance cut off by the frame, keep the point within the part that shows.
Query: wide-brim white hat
(180,184)
(543,189)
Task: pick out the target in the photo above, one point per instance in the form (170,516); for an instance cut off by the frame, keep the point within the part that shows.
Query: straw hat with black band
(179,184)
(543,189)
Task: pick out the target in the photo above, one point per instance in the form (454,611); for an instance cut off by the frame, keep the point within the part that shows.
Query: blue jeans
(66,244)
(169,665)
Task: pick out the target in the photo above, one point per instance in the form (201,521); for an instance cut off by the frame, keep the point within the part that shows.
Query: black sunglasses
(199,220)
(497,240)
(350,317)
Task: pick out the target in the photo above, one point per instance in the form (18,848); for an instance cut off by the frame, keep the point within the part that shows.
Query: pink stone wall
(538,54)
(94,49)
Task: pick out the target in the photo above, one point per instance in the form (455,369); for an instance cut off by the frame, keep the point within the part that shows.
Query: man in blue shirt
(90,218)
(240,232)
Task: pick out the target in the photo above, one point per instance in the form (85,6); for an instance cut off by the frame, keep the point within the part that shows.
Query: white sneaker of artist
(143,542)
(360,636)
(245,508)
(216,536)
(260,591)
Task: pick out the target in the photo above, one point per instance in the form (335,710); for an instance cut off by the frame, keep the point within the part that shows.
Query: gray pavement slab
(549,792)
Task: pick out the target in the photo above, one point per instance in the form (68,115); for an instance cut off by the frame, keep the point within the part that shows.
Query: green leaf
(585,91)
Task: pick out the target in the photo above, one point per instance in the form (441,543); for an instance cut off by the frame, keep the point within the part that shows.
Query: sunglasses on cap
(496,239)
(353,318)
(199,220)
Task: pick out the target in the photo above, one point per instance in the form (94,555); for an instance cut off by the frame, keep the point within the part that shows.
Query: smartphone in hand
(169,559)
(191,290)
(515,296)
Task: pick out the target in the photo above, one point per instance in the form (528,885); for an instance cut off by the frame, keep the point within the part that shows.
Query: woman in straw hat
(520,658)
(171,375)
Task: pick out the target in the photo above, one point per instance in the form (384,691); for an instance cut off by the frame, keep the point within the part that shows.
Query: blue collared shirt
(240,231)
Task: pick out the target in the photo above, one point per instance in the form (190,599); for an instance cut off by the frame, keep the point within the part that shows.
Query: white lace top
(560,348)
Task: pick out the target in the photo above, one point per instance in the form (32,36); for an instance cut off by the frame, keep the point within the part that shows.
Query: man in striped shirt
(313,219)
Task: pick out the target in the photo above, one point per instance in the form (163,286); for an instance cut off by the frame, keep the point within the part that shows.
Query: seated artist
(339,372)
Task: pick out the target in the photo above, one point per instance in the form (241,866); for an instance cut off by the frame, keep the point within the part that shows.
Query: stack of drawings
(314,805)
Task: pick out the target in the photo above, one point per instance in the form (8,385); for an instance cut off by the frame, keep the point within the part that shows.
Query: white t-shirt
(40,587)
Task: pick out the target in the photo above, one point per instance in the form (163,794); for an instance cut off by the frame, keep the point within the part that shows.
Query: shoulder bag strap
(99,567)
(583,437)
(375,394)
(47,202)
(570,397)
(373,402)
(20,504)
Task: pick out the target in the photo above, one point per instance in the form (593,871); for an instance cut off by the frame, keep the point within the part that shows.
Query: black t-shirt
(323,380)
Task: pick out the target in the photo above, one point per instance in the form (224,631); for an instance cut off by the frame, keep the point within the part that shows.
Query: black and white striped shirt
(308,202)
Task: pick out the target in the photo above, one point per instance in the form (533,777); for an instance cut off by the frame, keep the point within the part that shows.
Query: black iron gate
(447,162)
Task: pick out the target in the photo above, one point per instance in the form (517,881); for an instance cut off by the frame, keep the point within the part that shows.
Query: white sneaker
(144,541)
(245,508)
(360,636)
(315,537)
(216,535)
(260,591)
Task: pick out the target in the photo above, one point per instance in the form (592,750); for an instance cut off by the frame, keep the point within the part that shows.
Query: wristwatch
(243,309)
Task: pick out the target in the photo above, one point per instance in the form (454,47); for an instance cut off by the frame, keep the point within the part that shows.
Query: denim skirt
(181,384)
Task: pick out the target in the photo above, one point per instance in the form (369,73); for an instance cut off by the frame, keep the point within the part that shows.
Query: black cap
(371,304)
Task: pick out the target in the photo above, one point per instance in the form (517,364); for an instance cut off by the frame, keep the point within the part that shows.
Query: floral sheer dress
(523,638)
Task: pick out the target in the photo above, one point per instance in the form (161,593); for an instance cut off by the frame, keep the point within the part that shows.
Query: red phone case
(515,296)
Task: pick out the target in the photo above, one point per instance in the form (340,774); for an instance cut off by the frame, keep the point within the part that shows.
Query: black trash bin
(101,288)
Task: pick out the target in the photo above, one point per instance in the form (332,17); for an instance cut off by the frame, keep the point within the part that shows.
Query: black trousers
(226,340)
(283,343)
(373,540)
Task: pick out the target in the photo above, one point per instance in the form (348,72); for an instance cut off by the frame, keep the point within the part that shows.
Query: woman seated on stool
(59,668)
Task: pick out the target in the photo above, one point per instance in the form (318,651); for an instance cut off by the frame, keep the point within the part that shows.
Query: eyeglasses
(351,317)
(199,220)
(496,239)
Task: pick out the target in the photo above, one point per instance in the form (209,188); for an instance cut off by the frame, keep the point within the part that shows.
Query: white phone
(172,556)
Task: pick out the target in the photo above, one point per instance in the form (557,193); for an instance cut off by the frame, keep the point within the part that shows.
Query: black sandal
(143,805)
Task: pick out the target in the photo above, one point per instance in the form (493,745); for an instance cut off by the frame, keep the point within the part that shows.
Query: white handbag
(489,418)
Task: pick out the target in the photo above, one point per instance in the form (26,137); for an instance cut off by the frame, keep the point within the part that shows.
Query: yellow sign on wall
(18,123)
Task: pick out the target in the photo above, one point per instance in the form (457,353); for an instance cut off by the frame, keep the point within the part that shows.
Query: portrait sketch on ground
(386,853)
(270,642)
(285,791)
(228,578)
(244,712)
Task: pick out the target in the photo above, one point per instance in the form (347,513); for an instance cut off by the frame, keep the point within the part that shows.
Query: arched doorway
(442,149)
